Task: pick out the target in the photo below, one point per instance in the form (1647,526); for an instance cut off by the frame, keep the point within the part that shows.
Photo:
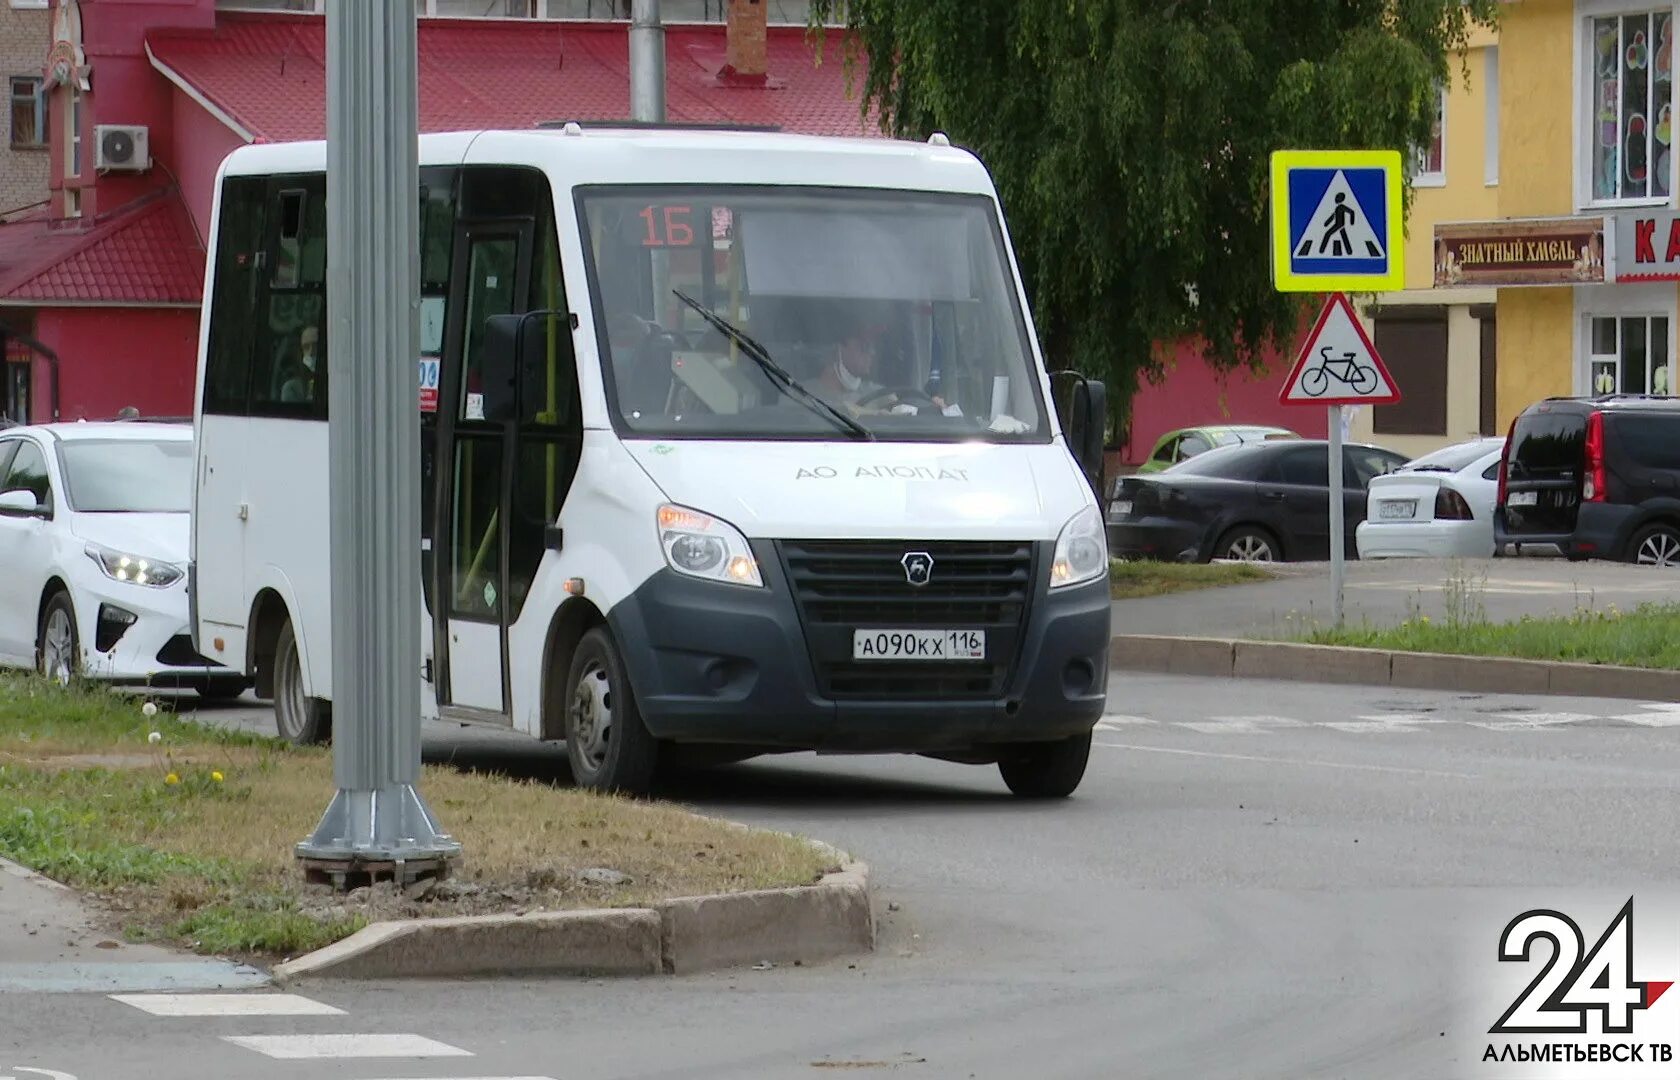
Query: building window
(72,202)
(1631,105)
(1413,345)
(28,127)
(73,132)
(1490,134)
(1429,166)
(1629,355)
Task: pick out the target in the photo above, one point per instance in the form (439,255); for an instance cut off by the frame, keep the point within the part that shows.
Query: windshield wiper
(777,374)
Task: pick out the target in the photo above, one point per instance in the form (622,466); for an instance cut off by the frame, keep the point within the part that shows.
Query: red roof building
(100,291)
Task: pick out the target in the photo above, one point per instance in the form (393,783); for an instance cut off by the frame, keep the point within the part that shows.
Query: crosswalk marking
(1656,715)
(227,1005)
(1536,721)
(1240,725)
(292,1047)
(1117,722)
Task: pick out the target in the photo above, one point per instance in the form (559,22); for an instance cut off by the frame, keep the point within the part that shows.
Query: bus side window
(290,367)
(234,306)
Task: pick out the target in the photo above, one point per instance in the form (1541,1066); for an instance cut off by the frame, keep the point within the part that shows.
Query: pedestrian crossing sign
(1337,221)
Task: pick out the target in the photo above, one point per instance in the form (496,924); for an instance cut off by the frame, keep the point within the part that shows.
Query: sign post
(1337,228)
(377,825)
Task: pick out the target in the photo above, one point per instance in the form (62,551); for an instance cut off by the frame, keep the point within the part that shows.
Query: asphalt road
(1383,592)
(1255,880)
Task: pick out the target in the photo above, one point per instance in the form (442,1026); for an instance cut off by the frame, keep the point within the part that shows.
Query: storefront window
(1631,107)
(1629,355)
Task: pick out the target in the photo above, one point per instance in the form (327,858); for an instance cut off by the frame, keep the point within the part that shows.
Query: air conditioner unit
(122,148)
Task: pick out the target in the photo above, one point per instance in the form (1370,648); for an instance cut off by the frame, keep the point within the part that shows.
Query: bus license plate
(1523,498)
(1398,508)
(924,645)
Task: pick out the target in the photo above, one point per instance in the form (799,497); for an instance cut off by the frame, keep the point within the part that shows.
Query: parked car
(1258,502)
(93,544)
(1598,477)
(1437,506)
(1185,443)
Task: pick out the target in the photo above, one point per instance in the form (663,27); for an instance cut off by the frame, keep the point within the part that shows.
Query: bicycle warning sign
(1336,221)
(1338,365)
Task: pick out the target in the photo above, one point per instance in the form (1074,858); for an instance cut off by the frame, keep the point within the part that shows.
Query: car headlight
(701,546)
(134,569)
(1081,550)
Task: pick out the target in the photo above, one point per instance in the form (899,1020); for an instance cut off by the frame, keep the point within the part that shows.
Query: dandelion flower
(216,776)
(149,709)
(172,778)
(154,738)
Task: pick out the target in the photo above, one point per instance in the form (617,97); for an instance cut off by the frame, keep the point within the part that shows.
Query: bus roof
(606,155)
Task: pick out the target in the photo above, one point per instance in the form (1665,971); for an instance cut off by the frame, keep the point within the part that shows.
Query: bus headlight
(1081,550)
(701,546)
(134,569)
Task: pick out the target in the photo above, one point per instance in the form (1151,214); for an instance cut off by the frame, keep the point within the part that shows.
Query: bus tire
(1047,770)
(301,720)
(607,742)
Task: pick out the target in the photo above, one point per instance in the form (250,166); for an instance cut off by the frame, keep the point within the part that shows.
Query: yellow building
(1439,343)
(1550,245)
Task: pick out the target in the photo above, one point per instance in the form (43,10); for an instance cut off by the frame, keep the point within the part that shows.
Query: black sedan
(1263,502)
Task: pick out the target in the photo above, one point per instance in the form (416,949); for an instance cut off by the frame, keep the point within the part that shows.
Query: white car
(94,523)
(1437,506)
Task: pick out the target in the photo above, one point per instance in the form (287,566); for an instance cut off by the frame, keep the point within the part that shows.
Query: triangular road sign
(1339,228)
(1338,365)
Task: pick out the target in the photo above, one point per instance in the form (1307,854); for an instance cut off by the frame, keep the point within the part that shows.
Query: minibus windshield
(897,309)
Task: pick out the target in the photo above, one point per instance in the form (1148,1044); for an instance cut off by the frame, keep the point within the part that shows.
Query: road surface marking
(1384,723)
(1292,761)
(1115,722)
(1651,719)
(346,1046)
(227,1005)
(1537,721)
(1240,725)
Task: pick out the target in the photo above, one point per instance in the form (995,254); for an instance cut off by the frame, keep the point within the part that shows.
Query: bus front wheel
(1049,770)
(607,743)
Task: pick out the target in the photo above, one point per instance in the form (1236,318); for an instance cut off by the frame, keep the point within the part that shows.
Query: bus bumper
(715,663)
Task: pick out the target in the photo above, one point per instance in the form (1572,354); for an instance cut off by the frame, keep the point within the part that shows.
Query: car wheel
(1655,545)
(301,719)
(1048,770)
(608,744)
(57,647)
(1248,543)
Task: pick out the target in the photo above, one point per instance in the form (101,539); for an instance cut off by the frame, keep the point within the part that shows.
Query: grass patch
(1647,637)
(1129,580)
(190,839)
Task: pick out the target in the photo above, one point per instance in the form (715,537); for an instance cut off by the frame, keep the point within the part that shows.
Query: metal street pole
(647,62)
(1337,510)
(377,825)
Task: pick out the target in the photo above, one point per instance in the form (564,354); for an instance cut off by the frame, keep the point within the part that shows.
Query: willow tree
(1130,142)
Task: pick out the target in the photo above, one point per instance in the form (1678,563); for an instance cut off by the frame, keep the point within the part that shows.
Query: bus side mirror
(1083,409)
(499,367)
(512,359)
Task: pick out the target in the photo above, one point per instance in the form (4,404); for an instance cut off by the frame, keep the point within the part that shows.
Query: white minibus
(732,443)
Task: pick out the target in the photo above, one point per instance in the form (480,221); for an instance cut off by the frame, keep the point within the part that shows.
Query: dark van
(1598,477)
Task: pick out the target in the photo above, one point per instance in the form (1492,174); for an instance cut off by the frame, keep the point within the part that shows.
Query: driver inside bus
(849,379)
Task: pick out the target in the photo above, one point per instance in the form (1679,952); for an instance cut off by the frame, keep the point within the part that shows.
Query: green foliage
(1129,580)
(1130,142)
(1647,637)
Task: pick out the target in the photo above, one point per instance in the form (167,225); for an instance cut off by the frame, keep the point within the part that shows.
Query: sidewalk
(50,943)
(1389,591)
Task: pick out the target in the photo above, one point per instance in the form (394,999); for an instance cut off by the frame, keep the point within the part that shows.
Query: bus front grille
(841,586)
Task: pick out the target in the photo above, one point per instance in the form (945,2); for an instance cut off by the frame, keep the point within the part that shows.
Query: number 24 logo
(1570,986)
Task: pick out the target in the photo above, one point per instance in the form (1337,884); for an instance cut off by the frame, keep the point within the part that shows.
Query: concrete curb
(1287,660)
(803,924)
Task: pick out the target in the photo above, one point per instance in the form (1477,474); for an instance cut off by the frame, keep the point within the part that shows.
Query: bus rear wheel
(301,719)
(1048,770)
(608,744)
